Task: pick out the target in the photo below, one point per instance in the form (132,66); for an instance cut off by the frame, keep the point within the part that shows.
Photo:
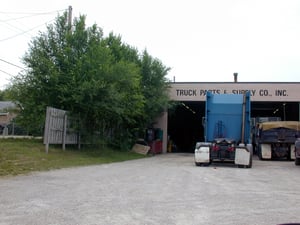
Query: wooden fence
(58,129)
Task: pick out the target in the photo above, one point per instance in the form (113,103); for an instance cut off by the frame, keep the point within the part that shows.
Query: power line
(17,18)
(11,64)
(24,32)
(33,13)
(6,72)
(29,15)
(15,29)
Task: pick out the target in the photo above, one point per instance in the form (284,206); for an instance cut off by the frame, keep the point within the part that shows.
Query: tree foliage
(4,95)
(112,89)
(155,86)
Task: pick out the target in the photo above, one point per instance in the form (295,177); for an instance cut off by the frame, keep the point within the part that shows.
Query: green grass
(22,156)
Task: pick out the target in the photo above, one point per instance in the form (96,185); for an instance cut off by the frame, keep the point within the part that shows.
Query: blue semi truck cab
(227,130)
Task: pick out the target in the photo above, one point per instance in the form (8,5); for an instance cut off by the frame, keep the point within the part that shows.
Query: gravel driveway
(164,189)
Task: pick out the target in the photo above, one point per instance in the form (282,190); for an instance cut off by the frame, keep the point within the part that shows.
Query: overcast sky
(200,40)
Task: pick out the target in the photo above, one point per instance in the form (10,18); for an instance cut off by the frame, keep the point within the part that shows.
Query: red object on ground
(156,147)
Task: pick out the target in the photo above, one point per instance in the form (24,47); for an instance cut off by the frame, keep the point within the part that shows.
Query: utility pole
(70,18)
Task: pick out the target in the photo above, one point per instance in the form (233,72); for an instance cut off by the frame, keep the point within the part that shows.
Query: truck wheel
(297,161)
(259,152)
(250,163)
(198,164)
(201,164)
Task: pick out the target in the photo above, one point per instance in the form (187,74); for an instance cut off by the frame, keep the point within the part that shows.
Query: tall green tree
(154,87)
(101,80)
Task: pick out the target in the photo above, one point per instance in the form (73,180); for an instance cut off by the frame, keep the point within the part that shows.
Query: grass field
(21,156)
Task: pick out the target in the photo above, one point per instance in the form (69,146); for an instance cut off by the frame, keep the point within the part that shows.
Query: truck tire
(197,164)
(201,164)
(259,152)
(250,162)
(297,161)
(246,166)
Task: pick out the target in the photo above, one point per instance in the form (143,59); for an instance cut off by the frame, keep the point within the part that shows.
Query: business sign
(265,92)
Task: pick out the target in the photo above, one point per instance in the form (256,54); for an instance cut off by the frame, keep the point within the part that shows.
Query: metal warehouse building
(183,125)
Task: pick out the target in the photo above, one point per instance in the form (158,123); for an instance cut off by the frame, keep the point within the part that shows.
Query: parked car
(297,152)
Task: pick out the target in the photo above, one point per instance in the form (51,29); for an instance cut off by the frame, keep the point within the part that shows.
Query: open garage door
(284,110)
(185,121)
(185,125)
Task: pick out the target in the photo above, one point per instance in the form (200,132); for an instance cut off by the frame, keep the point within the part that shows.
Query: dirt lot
(164,189)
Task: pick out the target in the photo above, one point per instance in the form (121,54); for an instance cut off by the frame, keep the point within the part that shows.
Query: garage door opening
(185,125)
(284,110)
(185,121)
